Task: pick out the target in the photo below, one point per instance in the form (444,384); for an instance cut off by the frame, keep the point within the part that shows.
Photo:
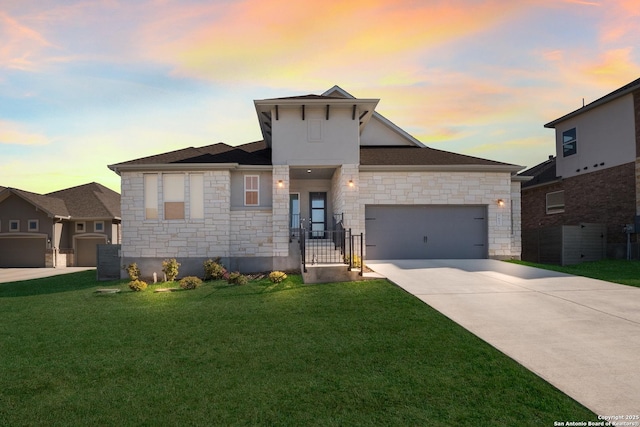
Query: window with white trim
(98,227)
(14,225)
(150,196)
(173,195)
(555,202)
(251,190)
(196,196)
(33,225)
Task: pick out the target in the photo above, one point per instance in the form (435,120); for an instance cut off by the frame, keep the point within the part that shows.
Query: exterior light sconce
(500,203)
(280,183)
(351,184)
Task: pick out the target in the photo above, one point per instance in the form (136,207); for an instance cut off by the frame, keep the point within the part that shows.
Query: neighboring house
(323,157)
(58,229)
(592,178)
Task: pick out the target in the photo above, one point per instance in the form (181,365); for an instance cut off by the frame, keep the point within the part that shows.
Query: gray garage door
(426,232)
(87,250)
(22,252)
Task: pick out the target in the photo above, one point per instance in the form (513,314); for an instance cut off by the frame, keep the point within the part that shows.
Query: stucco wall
(315,140)
(605,134)
(447,188)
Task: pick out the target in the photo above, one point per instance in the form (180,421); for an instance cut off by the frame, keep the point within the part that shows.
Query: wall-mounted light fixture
(500,203)
(280,183)
(351,184)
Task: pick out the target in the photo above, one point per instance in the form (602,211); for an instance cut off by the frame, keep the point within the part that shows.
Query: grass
(612,270)
(361,353)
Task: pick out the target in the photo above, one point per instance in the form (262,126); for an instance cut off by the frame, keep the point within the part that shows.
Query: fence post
(303,250)
(361,254)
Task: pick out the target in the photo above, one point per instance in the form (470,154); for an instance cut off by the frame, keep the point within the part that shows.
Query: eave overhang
(268,110)
(184,167)
(441,168)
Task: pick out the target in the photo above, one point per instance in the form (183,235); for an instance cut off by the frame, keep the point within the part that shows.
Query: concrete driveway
(581,335)
(19,274)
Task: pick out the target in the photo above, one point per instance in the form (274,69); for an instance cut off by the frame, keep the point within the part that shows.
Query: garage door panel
(426,232)
(22,252)
(86,251)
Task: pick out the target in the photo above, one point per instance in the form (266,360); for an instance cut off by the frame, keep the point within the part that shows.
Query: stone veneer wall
(157,239)
(516,218)
(345,198)
(448,188)
(280,207)
(251,233)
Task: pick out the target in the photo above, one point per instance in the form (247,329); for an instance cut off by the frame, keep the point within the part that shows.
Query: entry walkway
(18,274)
(581,335)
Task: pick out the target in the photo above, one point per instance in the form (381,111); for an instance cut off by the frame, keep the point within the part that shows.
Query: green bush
(213,269)
(133,271)
(237,279)
(357,262)
(170,268)
(190,282)
(277,276)
(137,285)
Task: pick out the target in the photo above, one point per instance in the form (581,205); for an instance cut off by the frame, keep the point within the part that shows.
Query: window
(569,142)
(81,227)
(14,225)
(555,202)
(151,196)
(98,227)
(196,196)
(33,225)
(173,192)
(251,190)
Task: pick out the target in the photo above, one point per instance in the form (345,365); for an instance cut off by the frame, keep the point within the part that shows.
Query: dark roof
(52,205)
(624,90)
(542,173)
(253,153)
(90,201)
(412,156)
(302,97)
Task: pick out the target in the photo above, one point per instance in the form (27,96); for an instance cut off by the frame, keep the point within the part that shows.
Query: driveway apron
(581,335)
(19,274)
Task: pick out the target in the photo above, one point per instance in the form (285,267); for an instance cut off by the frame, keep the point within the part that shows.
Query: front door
(318,210)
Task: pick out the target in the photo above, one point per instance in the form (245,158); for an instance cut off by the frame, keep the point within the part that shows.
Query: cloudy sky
(87,83)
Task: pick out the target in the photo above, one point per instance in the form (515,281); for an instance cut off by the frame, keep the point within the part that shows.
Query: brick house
(58,229)
(325,162)
(592,178)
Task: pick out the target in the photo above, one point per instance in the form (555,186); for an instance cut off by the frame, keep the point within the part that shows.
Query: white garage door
(426,232)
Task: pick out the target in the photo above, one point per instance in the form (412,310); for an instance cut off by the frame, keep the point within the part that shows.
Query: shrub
(137,285)
(357,262)
(277,276)
(133,271)
(190,282)
(213,269)
(170,268)
(237,279)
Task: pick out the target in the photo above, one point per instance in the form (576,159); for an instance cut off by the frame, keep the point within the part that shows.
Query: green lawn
(612,270)
(362,353)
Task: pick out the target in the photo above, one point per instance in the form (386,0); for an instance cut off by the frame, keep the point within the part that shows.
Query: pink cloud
(20,44)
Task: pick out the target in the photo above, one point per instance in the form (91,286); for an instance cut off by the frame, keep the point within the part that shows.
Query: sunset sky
(84,84)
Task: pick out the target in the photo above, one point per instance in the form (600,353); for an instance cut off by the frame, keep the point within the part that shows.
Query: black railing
(339,246)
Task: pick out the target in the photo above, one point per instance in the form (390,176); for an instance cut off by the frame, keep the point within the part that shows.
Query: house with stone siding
(591,179)
(326,162)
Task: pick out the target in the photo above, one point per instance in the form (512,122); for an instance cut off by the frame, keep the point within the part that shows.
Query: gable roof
(542,173)
(52,206)
(338,91)
(618,93)
(423,156)
(85,201)
(91,200)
